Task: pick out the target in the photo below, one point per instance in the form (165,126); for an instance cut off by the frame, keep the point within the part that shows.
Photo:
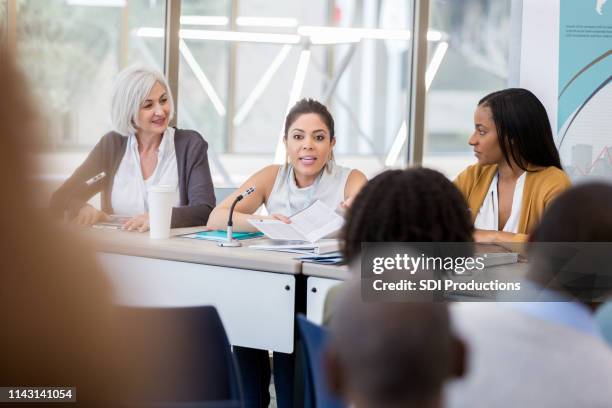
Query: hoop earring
(330,162)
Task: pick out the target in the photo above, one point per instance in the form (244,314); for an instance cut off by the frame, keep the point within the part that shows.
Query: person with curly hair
(414,205)
(386,365)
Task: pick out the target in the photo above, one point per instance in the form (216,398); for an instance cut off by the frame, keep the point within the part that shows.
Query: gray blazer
(197,197)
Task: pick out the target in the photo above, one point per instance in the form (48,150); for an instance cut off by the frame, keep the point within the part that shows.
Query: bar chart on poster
(566,60)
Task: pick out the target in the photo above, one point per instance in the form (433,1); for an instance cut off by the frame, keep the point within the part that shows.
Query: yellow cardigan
(542,185)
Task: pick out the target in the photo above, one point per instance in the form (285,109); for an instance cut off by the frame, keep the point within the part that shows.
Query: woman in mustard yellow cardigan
(518,171)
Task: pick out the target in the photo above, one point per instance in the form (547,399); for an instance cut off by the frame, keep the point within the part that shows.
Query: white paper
(311,224)
(300,247)
(317,221)
(276,229)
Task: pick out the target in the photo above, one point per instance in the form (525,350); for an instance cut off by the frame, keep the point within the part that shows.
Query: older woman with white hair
(141,152)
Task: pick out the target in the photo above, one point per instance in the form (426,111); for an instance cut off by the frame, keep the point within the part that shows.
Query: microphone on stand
(231,242)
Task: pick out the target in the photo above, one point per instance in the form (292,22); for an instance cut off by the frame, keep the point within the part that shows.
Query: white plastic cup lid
(162,188)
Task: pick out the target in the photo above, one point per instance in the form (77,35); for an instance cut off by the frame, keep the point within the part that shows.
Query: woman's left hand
(281,217)
(492,236)
(346,204)
(139,223)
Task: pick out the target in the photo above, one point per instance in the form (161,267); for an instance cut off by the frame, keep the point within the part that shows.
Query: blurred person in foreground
(396,354)
(56,304)
(59,325)
(547,351)
(142,151)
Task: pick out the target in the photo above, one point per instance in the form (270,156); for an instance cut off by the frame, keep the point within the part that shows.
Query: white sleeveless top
(287,198)
(129,193)
(488,216)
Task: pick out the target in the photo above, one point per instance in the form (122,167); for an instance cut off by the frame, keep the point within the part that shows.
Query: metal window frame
(418,92)
(514,52)
(171,50)
(230,131)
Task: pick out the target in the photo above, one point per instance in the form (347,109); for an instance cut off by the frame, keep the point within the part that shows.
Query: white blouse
(287,198)
(129,193)
(488,216)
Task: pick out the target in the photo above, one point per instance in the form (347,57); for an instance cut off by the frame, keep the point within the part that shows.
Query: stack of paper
(499,258)
(299,247)
(332,258)
(311,224)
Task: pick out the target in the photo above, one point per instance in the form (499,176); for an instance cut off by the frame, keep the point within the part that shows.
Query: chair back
(186,353)
(317,394)
(193,404)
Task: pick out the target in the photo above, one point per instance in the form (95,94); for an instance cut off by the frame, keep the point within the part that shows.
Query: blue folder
(221,235)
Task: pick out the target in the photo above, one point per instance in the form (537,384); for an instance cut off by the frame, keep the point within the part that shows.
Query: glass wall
(470,62)
(71,51)
(242,69)
(243,63)
(203,71)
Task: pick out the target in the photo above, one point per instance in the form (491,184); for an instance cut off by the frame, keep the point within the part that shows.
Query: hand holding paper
(311,224)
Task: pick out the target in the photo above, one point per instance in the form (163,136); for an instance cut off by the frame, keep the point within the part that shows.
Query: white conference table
(253,290)
(320,279)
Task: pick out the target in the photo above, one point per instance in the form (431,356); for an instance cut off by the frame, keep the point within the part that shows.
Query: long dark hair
(522,124)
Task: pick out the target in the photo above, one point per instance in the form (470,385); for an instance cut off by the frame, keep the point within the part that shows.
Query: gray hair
(130,90)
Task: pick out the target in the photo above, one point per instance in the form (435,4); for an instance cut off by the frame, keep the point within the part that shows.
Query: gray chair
(205,404)
(190,361)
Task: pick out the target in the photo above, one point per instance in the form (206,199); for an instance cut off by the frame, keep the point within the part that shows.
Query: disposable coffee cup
(161,200)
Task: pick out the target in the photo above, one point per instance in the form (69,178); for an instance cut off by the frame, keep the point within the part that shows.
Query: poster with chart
(584,110)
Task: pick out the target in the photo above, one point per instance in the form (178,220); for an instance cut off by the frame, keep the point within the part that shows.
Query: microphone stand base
(231,244)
